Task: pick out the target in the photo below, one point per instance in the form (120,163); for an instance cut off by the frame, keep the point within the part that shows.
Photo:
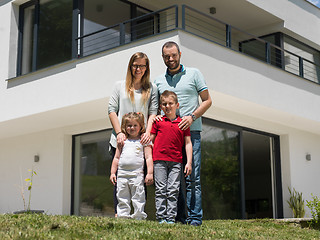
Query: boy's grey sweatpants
(167,181)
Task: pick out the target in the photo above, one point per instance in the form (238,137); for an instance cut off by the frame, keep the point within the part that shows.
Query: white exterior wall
(301,18)
(52,184)
(17,155)
(41,111)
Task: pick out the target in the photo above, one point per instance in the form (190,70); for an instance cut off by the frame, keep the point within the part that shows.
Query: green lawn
(38,226)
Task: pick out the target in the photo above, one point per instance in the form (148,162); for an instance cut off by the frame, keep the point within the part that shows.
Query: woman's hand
(113,178)
(121,137)
(145,138)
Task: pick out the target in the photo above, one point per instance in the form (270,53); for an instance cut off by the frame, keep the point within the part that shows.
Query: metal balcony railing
(204,26)
(144,26)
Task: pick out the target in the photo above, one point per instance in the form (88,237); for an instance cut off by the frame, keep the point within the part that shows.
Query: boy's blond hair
(139,117)
(168,93)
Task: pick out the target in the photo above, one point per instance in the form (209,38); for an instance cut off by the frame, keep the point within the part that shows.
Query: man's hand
(188,169)
(185,123)
(149,179)
(113,178)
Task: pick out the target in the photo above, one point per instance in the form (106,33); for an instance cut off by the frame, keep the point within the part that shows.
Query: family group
(156,139)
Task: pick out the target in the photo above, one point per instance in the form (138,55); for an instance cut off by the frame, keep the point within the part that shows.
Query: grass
(41,226)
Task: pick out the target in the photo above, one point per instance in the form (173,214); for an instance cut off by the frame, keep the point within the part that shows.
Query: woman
(136,94)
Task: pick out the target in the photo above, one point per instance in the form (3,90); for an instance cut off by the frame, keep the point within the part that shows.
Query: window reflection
(93,193)
(46,34)
(55,32)
(220,179)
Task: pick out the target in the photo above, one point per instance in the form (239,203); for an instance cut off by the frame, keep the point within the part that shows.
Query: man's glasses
(139,66)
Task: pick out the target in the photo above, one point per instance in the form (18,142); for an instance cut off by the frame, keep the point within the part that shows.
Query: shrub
(314,206)
(296,203)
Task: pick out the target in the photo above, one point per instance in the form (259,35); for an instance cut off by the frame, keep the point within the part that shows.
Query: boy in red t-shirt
(168,141)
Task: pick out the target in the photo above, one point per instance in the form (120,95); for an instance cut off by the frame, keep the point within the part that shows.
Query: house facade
(61,58)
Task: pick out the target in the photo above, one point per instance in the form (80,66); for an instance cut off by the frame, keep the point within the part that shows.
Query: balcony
(275,49)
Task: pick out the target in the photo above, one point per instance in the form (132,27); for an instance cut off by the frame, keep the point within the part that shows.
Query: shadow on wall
(40,74)
(229,56)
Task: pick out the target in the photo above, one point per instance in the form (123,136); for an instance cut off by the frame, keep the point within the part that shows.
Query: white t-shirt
(131,160)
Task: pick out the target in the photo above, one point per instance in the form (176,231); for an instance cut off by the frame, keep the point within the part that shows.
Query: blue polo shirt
(187,84)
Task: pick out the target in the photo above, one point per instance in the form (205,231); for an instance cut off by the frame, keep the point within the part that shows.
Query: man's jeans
(193,186)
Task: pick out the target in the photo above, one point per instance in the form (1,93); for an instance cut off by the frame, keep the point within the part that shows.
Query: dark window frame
(20,35)
(215,123)
(277,163)
(36,4)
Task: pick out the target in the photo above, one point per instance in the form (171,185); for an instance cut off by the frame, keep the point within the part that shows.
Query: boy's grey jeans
(167,181)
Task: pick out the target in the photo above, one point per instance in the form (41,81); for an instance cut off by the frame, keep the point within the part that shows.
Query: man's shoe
(195,224)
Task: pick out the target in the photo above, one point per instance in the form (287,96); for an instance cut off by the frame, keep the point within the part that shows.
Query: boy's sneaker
(161,221)
(170,222)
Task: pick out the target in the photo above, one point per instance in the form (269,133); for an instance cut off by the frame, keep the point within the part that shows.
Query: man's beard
(175,65)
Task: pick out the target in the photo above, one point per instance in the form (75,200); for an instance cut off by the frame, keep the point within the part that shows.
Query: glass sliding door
(240,174)
(220,173)
(99,16)
(258,175)
(107,15)
(92,190)
(144,26)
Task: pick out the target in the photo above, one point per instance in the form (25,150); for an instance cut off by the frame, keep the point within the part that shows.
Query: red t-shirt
(169,140)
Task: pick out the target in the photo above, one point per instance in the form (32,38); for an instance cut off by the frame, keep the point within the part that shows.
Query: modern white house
(59,60)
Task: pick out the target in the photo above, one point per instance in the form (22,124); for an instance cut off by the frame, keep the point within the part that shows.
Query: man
(188,84)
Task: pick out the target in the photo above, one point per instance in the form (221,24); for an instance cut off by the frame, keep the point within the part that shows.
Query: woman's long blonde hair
(145,80)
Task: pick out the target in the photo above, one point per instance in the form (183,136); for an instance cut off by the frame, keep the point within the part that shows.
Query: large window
(45,34)
(240,174)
